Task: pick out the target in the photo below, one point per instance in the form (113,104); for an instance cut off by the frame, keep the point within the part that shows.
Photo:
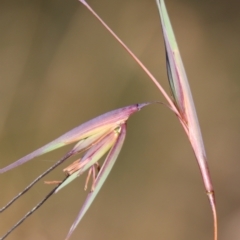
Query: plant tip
(142,105)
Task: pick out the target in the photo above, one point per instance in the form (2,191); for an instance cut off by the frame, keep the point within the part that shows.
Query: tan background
(59,67)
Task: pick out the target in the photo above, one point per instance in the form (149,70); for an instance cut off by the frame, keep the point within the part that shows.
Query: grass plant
(105,135)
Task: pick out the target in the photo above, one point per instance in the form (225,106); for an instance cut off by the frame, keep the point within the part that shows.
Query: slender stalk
(145,69)
(154,80)
(211,198)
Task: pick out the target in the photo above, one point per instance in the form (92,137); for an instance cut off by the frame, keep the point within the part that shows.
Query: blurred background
(59,68)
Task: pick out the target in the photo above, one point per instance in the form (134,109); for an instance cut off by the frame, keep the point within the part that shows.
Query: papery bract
(105,122)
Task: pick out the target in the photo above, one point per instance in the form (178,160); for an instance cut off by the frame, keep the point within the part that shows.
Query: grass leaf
(184,102)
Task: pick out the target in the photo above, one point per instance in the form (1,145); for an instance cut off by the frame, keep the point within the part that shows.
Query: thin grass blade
(184,102)
(104,172)
(109,120)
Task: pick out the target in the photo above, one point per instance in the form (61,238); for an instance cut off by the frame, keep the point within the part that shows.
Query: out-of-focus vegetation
(59,68)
